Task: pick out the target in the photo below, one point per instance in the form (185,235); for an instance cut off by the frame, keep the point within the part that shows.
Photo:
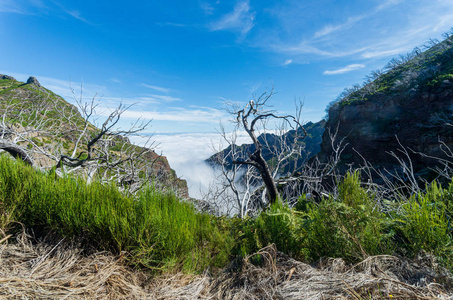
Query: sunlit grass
(157,229)
(160,232)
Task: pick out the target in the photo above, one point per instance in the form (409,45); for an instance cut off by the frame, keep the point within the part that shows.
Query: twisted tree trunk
(16,151)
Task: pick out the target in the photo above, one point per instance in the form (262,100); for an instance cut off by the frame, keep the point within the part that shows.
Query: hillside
(409,104)
(46,128)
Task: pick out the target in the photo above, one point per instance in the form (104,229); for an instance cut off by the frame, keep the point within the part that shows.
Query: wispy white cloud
(387,4)
(179,114)
(333,28)
(287,62)
(384,52)
(207,7)
(159,98)
(115,80)
(384,30)
(306,48)
(39,7)
(241,19)
(155,87)
(172,24)
(19,7)
(77,15)
(346,69)
(8,6)
(402,42)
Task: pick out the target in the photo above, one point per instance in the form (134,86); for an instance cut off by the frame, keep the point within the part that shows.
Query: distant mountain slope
(53,127)
(410,105)
(312,145)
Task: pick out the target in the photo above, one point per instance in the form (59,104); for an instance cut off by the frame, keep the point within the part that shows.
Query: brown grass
(377,277)
(60,270)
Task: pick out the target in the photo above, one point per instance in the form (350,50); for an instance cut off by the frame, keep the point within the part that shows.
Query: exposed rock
(2,76)
(409,106)
(34,81)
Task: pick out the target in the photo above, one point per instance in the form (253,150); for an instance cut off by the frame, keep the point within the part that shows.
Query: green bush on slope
(426,222)
(353,227)
(157,229)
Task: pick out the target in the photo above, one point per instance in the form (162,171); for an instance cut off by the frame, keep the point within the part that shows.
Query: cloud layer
(186,153)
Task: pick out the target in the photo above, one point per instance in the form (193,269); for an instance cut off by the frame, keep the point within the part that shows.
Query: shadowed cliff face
(373,128)
(412,103)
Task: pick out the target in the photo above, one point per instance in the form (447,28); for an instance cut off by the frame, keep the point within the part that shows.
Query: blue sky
(179,60)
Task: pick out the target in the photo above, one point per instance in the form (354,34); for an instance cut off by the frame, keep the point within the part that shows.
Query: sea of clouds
(187,152)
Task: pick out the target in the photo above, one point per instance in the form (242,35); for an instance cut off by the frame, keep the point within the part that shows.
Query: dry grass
(378,277)
(59,270)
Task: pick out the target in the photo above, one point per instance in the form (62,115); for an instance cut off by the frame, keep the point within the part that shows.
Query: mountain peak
(34,81)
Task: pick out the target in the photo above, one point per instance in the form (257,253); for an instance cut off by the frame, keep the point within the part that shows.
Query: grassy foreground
(160,232)
(354,226)
(156,229)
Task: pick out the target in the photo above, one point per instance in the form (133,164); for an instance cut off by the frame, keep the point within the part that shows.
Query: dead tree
(93,146)
(249,178)
(49,133)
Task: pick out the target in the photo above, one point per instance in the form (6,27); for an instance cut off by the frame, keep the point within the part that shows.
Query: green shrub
(351,227)
(161,232)
(425,222)
(279,225)
(157,229)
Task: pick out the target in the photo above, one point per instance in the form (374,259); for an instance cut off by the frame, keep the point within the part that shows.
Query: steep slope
(409,105)
(54,126)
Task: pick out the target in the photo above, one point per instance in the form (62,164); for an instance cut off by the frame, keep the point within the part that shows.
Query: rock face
(34,81)
(2,76)
(410,105)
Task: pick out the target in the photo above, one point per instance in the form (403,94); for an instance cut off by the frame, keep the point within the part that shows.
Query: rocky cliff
(409,104)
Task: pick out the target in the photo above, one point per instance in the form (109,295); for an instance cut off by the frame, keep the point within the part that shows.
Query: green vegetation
(353,226)
(162,233)
(418,72)
(156,229)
